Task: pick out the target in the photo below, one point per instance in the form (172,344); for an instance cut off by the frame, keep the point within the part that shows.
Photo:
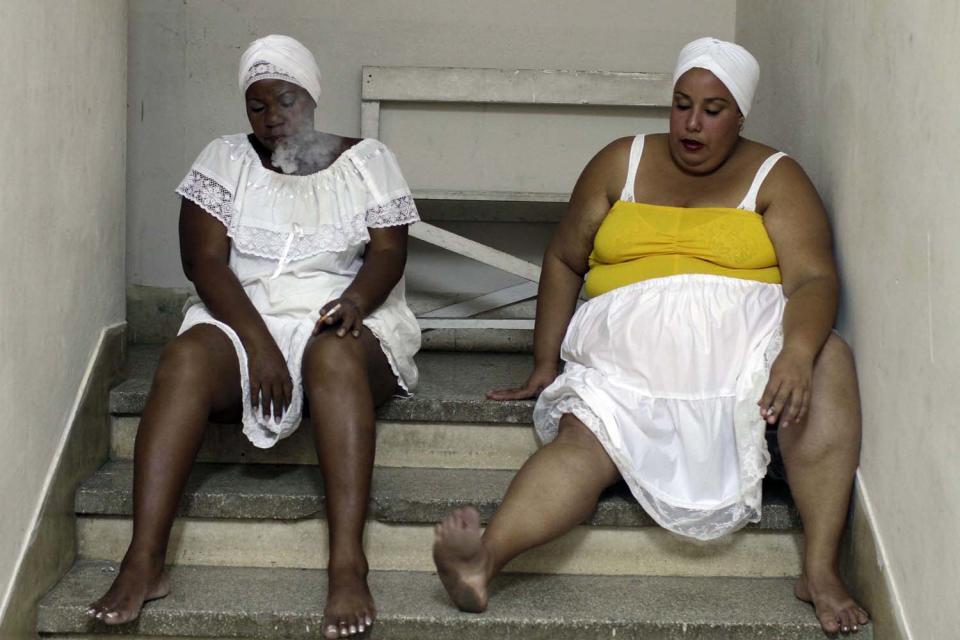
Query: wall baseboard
(51,549)
(864,565)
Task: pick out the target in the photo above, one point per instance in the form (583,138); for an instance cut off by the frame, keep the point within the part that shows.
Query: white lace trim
(398,211)
(268,244)
(263,434)
(261,69)
(209,195)
(750,429)
(217,200)
(391,360)
(296,244)
(752,456)
(701,524)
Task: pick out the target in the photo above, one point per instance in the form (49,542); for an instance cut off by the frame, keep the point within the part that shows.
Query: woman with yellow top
(708,263)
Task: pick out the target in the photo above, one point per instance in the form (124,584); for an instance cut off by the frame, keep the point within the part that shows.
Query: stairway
(249,549)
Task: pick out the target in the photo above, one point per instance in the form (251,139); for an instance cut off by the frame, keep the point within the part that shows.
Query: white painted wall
(63,100)
(865,94)
(182,92)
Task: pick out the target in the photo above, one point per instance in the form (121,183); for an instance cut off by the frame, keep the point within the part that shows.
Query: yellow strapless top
(638,241)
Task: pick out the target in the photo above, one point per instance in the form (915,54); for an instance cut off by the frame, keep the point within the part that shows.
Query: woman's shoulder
(751,150)
(756,153)
(223,149)
(619,149)
(752,155)
(367,149)
(376,161)
(229,141)
(786,178)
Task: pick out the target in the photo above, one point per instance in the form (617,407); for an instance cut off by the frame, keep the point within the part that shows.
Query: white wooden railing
(497,86)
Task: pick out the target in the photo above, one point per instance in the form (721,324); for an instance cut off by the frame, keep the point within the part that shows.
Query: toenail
(353,629)
(360,628)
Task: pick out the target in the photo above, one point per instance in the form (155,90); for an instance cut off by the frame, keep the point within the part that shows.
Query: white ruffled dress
(296,242)
(667,373)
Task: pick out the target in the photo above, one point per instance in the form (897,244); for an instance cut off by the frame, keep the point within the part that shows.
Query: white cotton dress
(667,373)
(297,242)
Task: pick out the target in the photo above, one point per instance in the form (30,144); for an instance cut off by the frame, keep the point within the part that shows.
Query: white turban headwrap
(280,58)
(733,65)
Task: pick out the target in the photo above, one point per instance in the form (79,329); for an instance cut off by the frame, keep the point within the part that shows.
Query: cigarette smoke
(306,153)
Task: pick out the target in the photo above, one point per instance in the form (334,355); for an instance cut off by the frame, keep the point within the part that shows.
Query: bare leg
(821,456)
(346,378)
(198,375)
(554,491)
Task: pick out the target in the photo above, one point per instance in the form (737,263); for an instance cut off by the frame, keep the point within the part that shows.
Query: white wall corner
(882,557)
(51,473)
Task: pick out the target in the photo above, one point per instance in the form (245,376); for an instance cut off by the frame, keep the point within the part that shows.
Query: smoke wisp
(306,153)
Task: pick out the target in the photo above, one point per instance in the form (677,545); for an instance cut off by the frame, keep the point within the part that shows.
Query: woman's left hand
(341,311)
(786,397)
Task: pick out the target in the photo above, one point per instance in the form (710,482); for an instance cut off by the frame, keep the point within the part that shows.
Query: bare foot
(834,608)
(349,610)
(140,580)
(463,563)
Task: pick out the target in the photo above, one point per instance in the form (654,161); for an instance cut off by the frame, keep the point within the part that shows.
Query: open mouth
(691,145)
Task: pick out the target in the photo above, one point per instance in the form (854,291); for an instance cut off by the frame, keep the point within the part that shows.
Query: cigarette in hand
(329,313)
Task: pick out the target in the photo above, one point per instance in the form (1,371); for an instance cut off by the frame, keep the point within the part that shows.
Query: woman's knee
(836,355)
(188,358)
(573,431)
(835,373)
(833,422)
(329,358)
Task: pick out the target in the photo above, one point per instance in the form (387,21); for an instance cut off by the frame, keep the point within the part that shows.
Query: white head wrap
(733,65)
(280,58)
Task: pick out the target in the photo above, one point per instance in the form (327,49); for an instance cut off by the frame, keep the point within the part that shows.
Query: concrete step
(398,495)
(283,603)
(452,387)
(260,515)
(493,340)
(399,444)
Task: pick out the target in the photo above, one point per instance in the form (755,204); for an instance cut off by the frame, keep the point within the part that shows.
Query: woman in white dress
(712,289)
(296,243)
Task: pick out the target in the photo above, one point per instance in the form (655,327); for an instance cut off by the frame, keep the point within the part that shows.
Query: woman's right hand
(271,388)
(539,380)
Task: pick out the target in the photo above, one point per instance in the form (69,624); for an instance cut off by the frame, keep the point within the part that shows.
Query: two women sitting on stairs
(708,320)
